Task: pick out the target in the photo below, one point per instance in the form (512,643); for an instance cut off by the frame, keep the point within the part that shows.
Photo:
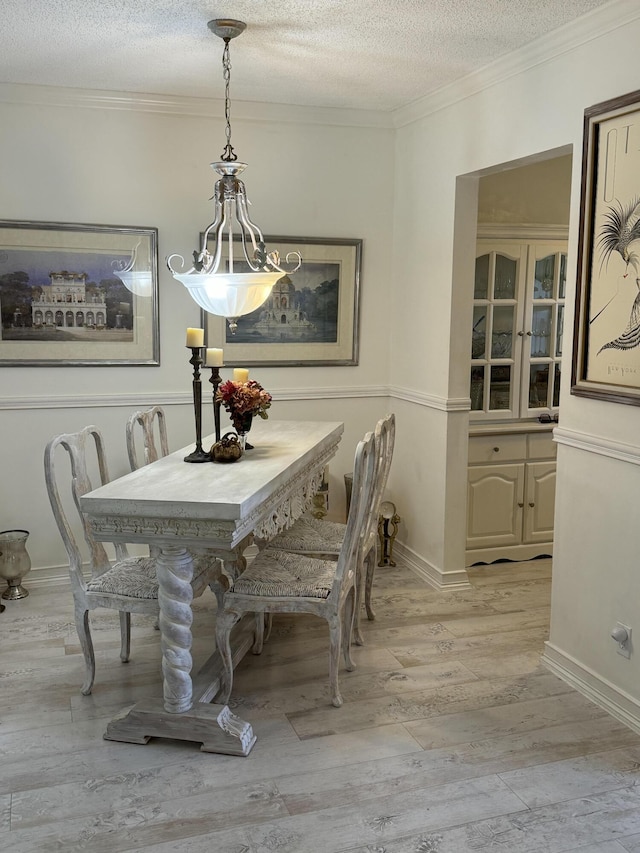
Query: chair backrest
(360,510)
(147,420)
(76,446)
(384,437)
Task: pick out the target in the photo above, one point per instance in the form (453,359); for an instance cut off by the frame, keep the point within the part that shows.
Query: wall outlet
(622,635)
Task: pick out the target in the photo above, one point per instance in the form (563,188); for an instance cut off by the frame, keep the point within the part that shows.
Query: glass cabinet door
(497,315)
(516,339)
(544,316)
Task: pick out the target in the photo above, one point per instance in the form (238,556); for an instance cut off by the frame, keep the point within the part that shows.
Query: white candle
(195,338)
(213,357)
(240,374)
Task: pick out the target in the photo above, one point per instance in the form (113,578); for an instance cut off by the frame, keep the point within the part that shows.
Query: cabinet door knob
(520,334)
(531,504)
(519,504)
(496,450)
(529,334)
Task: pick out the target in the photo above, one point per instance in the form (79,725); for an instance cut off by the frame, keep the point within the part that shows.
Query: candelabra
(198,455)
(215,379)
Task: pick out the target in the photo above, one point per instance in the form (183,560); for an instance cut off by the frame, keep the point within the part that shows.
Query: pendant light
(223,281)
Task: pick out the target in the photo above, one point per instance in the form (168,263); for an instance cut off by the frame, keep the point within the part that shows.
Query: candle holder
(198,455)
(215,379)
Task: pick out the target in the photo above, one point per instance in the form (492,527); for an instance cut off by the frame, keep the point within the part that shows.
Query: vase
(15,562)
(242,424)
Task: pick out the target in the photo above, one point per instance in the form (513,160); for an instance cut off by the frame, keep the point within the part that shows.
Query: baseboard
(598,690)
(435,577)
(47,576)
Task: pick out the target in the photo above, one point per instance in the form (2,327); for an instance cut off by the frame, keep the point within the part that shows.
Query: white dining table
(179,506)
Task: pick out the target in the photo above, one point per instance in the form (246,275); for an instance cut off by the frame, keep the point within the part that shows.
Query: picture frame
(311,318)
(606,350)
(77,294)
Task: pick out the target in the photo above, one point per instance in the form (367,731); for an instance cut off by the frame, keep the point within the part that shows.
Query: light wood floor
(452,737)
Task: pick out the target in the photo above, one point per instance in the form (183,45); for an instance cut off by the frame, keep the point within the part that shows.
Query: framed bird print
(606,358)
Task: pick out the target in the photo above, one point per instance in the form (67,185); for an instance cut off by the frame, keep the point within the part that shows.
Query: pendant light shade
(140,281)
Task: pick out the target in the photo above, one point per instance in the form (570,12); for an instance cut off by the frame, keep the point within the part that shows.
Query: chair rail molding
(596,444)
(431,401)
(175,398)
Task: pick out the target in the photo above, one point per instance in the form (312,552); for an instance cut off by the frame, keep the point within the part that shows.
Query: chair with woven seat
(130,584)
(283,582)
(319,537)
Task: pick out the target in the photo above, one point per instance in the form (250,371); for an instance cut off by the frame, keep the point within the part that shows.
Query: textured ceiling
(370,54)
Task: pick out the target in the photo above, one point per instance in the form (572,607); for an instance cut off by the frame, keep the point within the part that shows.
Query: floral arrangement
(242,399)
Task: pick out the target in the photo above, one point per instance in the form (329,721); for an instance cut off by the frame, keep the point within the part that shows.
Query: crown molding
(58,96)
(506,231)
(572,35)
(563,40)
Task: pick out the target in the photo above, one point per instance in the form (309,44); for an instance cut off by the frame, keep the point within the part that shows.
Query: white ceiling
(369,54)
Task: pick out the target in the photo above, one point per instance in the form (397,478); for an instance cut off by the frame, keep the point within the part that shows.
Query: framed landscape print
(606,360)
(75,294)
(311,316)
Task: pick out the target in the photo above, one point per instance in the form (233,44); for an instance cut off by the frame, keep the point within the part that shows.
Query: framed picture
(311,316)
(606,357)
(78,294)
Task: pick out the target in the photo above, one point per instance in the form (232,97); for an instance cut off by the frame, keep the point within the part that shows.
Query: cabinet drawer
(542,446)
(497,448)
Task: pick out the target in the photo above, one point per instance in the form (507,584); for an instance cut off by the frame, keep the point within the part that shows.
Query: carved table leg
(175,570)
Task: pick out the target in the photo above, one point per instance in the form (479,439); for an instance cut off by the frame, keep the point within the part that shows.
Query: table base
(214,726)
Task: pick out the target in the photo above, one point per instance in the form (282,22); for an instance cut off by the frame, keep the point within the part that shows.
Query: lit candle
(240,374)
(213,357)
(195,338)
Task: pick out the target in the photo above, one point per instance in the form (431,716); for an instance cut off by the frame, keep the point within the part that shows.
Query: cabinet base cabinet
(510,504)
(494,505)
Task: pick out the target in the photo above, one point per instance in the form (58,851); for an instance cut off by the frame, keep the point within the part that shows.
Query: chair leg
(86,644)
(225,620)
(268,625)
(125,636)
(348,619)
(371,567)
(258,634)
(264,623)
(335,637)
(359,595)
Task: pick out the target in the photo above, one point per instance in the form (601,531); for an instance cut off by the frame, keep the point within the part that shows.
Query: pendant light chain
(228,153)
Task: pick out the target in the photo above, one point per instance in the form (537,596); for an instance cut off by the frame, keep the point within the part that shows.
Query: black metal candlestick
(198,455)
(215,379)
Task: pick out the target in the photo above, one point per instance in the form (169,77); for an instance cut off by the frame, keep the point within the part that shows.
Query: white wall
(72,163)
(536,106)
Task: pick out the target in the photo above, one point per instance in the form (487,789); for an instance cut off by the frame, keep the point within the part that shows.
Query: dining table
(181,507)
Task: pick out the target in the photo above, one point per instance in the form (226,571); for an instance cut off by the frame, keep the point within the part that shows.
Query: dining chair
(319,537)
(130,584)
(284,582)
(154,426)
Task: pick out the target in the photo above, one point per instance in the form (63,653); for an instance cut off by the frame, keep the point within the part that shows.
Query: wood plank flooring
(452,737)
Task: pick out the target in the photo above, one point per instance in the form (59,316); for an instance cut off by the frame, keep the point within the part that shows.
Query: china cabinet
(516,355)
